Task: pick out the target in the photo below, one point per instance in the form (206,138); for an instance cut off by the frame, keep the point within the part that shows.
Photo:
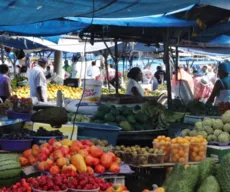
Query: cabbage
(208,130)
(223,137)
(211,138)
(202,133)
(199,126)
(217,124)
(226,117)
(217,132)
(192,133)
(207,122)
(227,127)
(185,132)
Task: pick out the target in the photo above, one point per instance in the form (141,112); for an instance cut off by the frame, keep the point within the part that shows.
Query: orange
(202,157)
(173,141)
(193,154)
(174,151)
(168,139)
(201,153)
(202,148)
(182,160)
(181,153)
(157,145)
(176,155)
(197,158)
(195,149)
(162,141)
(174,159)
(155,140)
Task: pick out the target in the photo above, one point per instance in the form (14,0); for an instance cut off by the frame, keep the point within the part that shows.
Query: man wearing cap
(37,81)
(221,90)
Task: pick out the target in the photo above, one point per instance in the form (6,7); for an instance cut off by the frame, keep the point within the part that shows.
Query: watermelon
(10,169)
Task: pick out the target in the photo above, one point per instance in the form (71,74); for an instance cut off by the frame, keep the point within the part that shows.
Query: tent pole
(2,55)
(177,60)
(58,62)
(116,65)
(168,67)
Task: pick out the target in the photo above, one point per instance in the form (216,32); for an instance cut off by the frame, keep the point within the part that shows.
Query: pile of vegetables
(78,156)
(150,116)
(214,130)
(205,177)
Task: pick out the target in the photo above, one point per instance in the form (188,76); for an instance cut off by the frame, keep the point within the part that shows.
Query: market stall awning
(17,12)
(149,21)
(47,28)
(224,4)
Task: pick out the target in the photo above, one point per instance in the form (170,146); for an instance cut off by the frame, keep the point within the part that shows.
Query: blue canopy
(46,28)
(224,4)
(149,21)
(18,12)
(20,43)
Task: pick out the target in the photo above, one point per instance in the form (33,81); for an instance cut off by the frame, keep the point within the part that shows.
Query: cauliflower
(202,133)
(211,138)
(217,132)
(217,124)
(199,126)
(227,127)
(223,137)
(226,117)
(185,132)
(207,122)
(209,130)
(192,133)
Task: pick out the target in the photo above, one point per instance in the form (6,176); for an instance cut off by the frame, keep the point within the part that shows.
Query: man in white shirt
(37,81)
(94,72)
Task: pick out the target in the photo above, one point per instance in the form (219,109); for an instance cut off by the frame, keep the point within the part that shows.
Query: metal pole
(177,60)
(58,62)
(168,67)
(116,66)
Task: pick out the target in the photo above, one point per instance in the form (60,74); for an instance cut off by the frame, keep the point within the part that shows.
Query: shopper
(221,90)
(134,88)
(202,88)
(94,72)
(5,88)
(160,75)
(37,81)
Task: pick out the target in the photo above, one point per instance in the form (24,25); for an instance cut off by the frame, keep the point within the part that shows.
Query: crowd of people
(208,83)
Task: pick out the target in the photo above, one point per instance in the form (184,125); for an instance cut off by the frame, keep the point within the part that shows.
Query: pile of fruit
(214,130)
(195,107)
(205,177)
(81,156)
(63,182)
(5,106)
(79,118)
(19,81)
(137,155)
(68,92)
(150,116)
(16,136)
(23,105)
(43,132)
(182,150)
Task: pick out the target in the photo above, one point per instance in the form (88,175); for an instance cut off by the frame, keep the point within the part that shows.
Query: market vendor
(221,90)
(37,81)
(5,88)
(135,75)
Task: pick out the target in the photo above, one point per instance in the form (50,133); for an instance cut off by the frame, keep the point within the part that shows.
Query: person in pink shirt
(202,88)
(5,88)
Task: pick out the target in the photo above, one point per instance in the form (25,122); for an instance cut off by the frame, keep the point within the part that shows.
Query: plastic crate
(15,145)
(102,132)
(115,179)
(16,115)
(166,147)
(180,153)
(197,151)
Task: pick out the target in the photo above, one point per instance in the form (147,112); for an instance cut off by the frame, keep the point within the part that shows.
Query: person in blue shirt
(221,90)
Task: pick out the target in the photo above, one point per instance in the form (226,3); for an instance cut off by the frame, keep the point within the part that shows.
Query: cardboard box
(217,152)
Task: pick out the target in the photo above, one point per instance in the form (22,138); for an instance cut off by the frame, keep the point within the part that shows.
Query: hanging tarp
(20,43)
(224,4)
(47,28)
(17,12)
(150,21)
(209,51)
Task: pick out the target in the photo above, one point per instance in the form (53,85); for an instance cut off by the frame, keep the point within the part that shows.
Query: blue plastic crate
(17,115)
(100,131)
